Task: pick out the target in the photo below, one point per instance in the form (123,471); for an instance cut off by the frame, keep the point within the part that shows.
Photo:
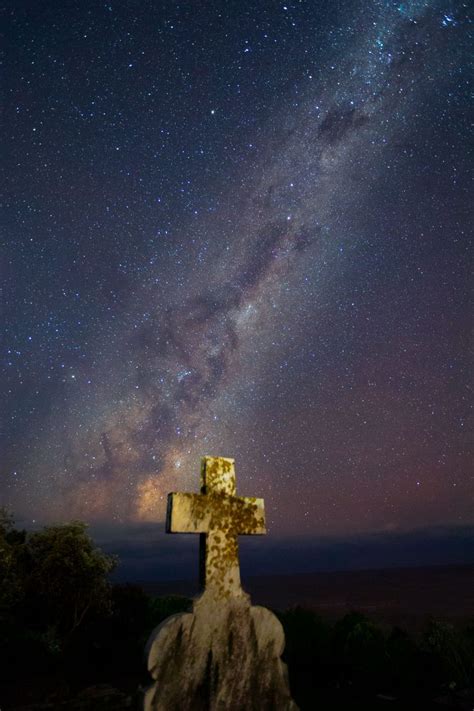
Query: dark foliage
(65,628)
(356,661)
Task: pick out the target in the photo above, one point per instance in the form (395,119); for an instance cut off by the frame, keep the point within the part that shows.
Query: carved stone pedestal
(224,656)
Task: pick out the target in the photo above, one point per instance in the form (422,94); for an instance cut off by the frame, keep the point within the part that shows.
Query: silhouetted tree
(69,575)
(12,553)
(451,652)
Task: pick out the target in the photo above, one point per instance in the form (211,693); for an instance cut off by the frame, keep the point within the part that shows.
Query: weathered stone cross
(219,515)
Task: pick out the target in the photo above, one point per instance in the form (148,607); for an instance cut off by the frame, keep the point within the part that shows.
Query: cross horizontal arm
(203,513)
(181,514)
(249,516)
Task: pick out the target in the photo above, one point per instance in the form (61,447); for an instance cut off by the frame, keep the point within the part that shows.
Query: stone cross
(219,515)
(225,654)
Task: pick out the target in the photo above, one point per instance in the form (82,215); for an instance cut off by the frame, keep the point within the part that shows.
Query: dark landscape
(396,596)
(361,640)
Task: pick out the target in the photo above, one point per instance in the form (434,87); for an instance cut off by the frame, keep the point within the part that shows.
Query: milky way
(238,230)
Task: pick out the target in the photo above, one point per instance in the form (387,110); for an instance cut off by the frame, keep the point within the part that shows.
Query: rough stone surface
(219,515)
(225,656)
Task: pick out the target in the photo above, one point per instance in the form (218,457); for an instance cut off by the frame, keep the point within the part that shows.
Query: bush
(162,607)
(359,648)
(451,652)
(11,554)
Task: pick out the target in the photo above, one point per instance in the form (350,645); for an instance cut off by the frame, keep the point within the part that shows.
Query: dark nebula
(238,229)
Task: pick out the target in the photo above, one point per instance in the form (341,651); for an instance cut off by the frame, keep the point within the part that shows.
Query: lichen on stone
(222,515)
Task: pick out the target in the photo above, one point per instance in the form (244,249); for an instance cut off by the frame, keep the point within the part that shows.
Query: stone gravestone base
(224,656)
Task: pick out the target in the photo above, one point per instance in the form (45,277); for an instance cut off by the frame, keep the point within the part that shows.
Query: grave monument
(225,654)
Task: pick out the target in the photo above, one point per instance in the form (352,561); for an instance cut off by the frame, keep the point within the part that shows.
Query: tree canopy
(57,574)
(69,572)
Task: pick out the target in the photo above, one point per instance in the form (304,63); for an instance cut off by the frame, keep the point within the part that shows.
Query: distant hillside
(404,596)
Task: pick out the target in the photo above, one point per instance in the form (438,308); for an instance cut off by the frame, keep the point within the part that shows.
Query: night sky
(237,229)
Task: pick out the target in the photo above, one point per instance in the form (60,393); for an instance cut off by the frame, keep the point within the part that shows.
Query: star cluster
(237,229)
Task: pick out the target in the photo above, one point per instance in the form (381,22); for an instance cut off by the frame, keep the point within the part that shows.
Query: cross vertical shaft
(219,515)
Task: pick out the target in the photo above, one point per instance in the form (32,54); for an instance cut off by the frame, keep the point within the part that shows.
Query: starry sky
(237,229)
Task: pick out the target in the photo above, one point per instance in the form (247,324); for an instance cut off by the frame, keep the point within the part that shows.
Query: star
(280,277)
